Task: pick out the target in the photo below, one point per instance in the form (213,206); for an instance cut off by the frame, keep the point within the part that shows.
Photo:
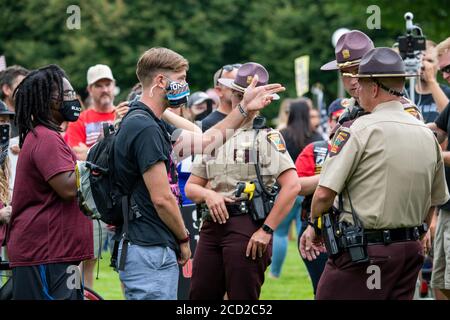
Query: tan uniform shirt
(392,166)
(235,161)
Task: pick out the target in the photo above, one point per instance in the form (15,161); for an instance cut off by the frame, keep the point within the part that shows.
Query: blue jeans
(280,237)
(151,273)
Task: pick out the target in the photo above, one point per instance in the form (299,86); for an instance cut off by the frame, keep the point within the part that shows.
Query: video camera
(410,47)
(413,42)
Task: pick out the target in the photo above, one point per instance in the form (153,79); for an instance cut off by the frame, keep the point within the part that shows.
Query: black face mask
(70,110)
(4,142)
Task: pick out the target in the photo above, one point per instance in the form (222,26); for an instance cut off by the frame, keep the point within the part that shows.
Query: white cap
(97,72)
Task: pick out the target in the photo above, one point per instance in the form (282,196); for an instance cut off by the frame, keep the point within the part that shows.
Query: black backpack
(98,193)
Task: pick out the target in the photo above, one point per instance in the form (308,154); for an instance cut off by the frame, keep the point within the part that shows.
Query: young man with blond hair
(440,280)
(156,240)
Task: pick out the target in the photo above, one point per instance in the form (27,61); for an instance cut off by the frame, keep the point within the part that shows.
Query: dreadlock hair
(33,98)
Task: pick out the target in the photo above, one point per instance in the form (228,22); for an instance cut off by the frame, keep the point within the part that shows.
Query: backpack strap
(129,206)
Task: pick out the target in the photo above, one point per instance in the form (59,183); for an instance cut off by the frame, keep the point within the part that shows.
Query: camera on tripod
(413,41)
(410,47)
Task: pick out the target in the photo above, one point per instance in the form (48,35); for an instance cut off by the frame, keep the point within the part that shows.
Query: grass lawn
(294,283)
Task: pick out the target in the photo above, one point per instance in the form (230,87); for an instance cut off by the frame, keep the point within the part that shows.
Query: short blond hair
(443,47)
(157,60)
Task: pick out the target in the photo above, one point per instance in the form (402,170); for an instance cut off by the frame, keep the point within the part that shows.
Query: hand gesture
(256,98)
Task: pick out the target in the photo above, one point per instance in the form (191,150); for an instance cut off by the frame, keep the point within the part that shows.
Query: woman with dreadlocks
(49,236)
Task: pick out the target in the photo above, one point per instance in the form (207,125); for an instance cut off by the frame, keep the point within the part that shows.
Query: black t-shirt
(292,148)
(212,120)
(142,141)
(427,105)
(443,123)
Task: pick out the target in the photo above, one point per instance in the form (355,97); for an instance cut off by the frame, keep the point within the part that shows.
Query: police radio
(352,238)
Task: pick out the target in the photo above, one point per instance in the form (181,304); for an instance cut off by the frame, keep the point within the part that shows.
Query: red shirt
(88,128)
(43,228)
(310,160)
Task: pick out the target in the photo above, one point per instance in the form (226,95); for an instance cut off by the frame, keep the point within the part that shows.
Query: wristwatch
(188,237)
(267,229)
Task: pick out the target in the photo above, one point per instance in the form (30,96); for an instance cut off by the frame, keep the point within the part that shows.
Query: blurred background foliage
(209,33)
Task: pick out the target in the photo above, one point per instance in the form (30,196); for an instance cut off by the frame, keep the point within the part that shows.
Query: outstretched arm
(255,98)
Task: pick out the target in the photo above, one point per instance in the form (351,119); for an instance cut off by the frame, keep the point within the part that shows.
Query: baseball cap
(336,106)
(97,72)
(197,98)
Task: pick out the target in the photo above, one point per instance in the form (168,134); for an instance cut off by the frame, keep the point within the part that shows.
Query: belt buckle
(387,237)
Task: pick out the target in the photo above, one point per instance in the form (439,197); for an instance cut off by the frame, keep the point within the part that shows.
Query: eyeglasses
(228,68)
(445,69)
(70,94)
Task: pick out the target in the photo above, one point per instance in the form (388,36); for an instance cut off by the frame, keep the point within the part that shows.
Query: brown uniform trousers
(220,264)
(399,264)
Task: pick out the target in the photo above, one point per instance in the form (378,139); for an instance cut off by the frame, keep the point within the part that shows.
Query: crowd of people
(380,174)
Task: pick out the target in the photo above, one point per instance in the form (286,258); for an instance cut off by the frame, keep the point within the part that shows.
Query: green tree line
(209,33)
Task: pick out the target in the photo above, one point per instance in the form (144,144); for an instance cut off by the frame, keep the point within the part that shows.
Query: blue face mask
(177,93)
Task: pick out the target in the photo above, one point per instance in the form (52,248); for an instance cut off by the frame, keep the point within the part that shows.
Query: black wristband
(267,229)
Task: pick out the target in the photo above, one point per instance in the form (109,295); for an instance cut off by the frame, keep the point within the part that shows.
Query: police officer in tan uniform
(389,172)
(234,249)
(349,50)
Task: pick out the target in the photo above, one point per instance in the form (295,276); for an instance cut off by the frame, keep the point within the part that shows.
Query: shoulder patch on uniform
(277,141)
(414,112)
(339,141)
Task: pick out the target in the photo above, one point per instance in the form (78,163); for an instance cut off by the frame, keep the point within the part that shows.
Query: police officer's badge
(276,140)
(339,141)
(346,53)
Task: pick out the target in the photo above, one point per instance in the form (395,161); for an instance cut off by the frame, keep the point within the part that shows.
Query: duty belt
(394,235)
(238,209)
(234,209)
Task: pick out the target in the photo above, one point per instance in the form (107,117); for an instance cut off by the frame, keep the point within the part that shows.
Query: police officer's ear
(375,89)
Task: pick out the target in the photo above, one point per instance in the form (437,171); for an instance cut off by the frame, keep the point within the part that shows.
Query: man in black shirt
(440,280)
(157,240)
(228,71)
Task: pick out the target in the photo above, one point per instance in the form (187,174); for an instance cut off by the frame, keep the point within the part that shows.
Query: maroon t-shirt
(44,228)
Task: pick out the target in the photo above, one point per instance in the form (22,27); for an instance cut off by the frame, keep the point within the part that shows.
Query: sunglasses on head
(445,69)
(228,68)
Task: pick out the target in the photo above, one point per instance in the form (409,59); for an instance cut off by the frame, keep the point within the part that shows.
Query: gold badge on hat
(346,53)
(249,79)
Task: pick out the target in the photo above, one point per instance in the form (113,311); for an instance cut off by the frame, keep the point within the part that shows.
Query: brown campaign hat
(349,50)
(381,63)
(245,76)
